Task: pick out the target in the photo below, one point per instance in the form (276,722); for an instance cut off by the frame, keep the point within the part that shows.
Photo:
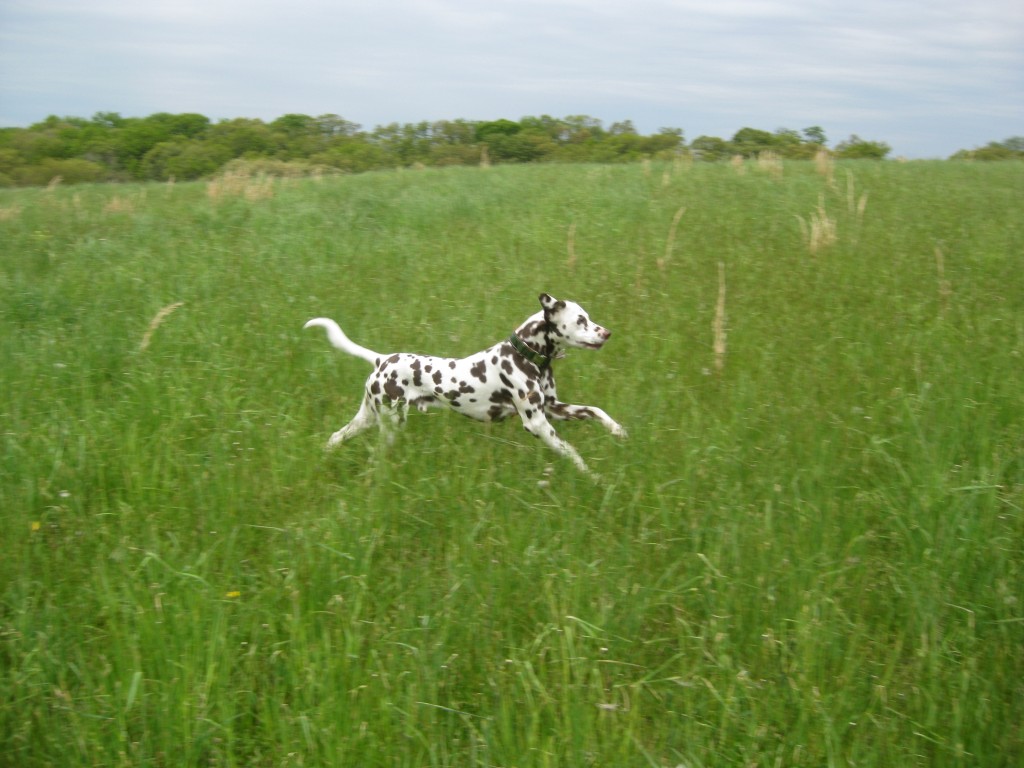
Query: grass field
(810,552)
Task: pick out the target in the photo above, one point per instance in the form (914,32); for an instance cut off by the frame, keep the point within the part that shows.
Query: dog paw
(620,432)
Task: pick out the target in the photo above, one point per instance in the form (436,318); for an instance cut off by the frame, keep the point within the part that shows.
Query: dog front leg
(569,412)
(538,426)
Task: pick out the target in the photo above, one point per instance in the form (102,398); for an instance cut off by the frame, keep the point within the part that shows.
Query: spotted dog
(512,377)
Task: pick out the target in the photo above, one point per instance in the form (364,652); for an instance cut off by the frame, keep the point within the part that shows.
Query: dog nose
(605,333)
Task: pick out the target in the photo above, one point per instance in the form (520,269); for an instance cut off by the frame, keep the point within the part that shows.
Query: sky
(927,77)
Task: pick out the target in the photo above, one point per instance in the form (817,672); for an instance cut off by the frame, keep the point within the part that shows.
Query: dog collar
(535,357)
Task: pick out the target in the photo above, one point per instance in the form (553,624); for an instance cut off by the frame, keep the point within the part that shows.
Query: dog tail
(338,338)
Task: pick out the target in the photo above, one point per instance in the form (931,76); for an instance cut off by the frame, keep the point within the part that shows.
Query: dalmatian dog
(512,377)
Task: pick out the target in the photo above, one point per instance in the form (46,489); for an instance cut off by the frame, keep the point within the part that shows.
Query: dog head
(570,325)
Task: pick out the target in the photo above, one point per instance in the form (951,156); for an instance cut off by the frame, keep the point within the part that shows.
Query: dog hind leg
(365,418)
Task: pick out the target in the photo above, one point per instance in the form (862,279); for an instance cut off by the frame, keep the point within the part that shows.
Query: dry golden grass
(119,204)
(9,212)
(240,183)
(826,166)
(771,163)
(257,179)
(718,326)
(855,205)
(663,262)
(820,232)
(158,318)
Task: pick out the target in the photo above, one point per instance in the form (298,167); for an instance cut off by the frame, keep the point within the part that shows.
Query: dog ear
(547,301)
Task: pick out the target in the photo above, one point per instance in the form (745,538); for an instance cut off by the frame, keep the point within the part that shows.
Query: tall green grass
(808,553)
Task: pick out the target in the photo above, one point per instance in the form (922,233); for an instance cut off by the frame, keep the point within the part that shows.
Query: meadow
(809,552)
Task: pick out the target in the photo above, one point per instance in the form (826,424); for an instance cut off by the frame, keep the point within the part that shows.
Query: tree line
(164,146)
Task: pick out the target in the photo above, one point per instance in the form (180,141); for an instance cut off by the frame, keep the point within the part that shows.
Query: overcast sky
(928,77)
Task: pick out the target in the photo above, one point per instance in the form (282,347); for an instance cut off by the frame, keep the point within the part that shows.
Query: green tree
(68,170)
(353,156)
(405,144)
(856,148)
(1010,149)
(665,140)
(334,126)
(108,120)
(486,131)
(582,128)
(183,159)
(520,147)
(750,142)
(555,129)
(10,162)
(244,137)
(710,148)
(815,135)
(298,136)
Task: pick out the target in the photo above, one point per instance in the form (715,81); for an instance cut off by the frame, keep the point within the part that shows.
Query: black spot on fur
(503,406)
(437,377)
(524,365)
(480,371)
(393,390)
(502,396)
(536,328)
(563,411)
